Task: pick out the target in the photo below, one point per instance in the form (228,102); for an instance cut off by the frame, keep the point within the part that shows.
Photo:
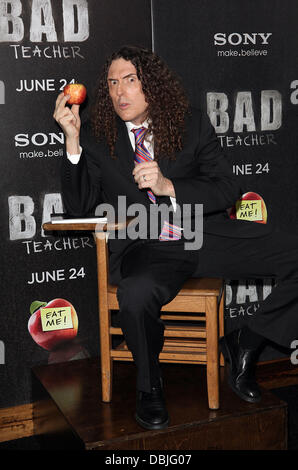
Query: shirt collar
(130,125)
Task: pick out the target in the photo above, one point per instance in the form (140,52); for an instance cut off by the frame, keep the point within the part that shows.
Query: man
(146,143)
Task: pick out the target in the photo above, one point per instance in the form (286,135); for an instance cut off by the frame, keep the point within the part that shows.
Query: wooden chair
(191,330)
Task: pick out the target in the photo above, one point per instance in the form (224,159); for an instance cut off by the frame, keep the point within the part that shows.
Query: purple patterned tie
(169,231)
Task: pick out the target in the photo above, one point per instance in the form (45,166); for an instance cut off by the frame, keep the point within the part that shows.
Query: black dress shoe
(241,371)
(151,412)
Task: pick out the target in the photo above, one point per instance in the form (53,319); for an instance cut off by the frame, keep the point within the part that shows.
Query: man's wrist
(72,146)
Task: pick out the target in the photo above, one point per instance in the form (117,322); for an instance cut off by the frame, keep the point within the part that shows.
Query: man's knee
(137,294)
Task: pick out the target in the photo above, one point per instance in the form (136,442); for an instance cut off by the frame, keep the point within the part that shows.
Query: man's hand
(69,121)
(148,175)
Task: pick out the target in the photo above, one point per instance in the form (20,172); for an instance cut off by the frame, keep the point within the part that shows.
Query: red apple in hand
(251,196)
(76,91)
(50,339)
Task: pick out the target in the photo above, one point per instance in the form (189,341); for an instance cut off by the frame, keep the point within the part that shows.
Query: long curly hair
(167,103)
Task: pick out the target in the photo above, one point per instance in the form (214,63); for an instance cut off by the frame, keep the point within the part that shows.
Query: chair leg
(212,352)
(221,324)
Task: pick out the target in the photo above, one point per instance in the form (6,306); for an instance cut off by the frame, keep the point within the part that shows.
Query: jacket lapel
(165,165)
(124,151)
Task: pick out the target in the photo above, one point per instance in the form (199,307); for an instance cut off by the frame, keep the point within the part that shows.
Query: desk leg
(104,316)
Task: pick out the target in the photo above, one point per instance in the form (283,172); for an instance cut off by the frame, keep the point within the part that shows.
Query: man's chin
(124,116)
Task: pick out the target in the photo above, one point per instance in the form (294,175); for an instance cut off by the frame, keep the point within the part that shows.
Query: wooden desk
(106,292)
(100,231)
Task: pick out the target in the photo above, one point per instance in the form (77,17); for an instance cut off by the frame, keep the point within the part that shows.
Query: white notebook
(88,220)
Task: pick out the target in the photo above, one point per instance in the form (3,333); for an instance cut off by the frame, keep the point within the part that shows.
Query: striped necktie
(169,231)
(142,154)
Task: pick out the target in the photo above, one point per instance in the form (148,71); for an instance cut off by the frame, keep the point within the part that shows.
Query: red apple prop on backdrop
(251,196)
(58,334)
(76,91)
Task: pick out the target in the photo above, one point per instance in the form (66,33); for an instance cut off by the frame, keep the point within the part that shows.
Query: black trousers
(153,273)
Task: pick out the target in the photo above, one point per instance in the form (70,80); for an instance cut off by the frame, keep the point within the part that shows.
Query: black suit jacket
(200,175)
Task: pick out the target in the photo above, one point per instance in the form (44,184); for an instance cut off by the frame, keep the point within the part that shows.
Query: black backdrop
(238,61)
(46,43)
(34,67)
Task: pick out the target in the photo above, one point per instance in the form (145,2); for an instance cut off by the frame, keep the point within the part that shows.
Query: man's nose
(119,89)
